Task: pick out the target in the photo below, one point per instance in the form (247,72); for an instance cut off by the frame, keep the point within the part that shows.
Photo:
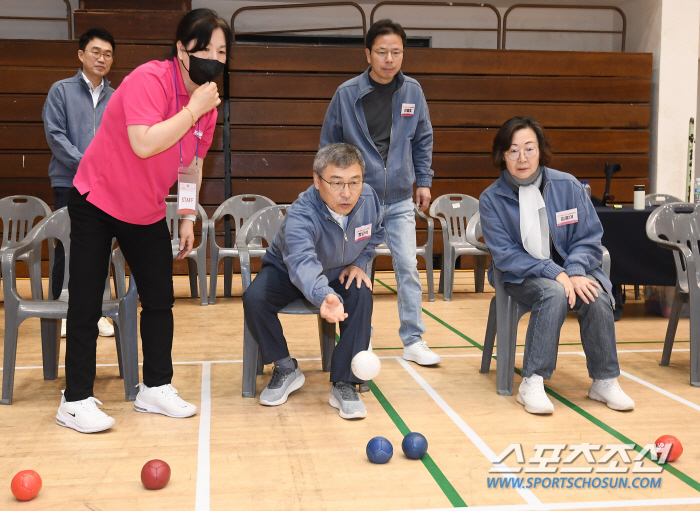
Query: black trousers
(272,290)
(148,251)
(60,200)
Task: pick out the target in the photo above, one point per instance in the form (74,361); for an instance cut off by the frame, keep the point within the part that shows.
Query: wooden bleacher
(595,106)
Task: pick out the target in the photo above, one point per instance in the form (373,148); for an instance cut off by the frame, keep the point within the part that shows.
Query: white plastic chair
(197,258)
(454,212)
(240,208)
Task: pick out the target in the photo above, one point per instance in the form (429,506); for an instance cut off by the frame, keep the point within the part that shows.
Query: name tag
(570,216)
(408,109)
(363,232)
(187,198)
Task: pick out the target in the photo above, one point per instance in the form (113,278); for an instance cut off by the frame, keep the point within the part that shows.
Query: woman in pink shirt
(162,117)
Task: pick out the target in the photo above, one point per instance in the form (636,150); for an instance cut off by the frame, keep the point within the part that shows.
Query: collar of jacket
(503,189)
(365,88)
(84,85)
(321,205)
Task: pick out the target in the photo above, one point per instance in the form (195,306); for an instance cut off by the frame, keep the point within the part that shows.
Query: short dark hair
(504,139)
(383,27)
(198,25)
(340,155)
(95,33)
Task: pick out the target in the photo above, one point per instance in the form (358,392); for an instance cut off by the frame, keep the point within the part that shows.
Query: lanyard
(177,107)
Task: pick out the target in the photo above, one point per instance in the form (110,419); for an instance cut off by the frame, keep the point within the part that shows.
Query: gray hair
(339,155)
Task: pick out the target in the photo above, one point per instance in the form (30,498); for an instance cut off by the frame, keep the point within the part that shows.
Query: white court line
(203,463)
(657,389)
(525,493)
(580,505)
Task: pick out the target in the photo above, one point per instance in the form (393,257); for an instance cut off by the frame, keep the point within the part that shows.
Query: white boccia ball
(366,365)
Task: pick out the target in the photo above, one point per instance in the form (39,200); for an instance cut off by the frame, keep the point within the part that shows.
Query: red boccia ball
(25,485)
(155,474)
(676,448)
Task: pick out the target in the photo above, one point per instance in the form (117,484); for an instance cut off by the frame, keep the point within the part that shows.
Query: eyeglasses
(383,53)
(97,55)
(336,186)
(514,154)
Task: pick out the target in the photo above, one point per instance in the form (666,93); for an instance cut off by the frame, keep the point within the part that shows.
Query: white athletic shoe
(63,329)
(83,416)
(610,393)
(163,399)
(419,353)
(106,327)
(533,397)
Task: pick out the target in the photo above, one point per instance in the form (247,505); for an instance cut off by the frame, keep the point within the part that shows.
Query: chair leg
(228,277)
(441,282)
(506,332)
(489,338)
(479,269)
(213,278)
(127,323)
(364,387)
(449,271)
(50,346)
(678,300)
(192,271)
(694,341)
(9,358)
(326,334)
(202,276)
(429,277)
(118,343)
(637,296)
(251,353)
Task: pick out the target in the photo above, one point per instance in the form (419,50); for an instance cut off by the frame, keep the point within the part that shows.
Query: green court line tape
(428,462)
(669,468)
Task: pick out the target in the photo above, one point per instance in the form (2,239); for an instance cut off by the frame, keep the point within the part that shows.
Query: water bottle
(587,187)
(697,190)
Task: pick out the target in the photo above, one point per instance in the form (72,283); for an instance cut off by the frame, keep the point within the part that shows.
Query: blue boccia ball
(414,446)
(379,450)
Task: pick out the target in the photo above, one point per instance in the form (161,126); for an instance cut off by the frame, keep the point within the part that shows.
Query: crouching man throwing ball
(326,239)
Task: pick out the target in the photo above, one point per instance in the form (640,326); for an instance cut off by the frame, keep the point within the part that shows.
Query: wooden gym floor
(236,454)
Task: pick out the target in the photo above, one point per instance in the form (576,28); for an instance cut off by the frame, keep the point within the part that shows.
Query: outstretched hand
(332,309)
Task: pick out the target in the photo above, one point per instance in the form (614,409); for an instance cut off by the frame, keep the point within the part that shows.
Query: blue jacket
(70,124)
(313,248)
(579,244)
(411,144)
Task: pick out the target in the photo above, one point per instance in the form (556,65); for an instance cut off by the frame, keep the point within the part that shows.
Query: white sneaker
(610,393)
(63,329)
(533,397)
(106,327)
(83,416)
(419,353)
(163,399)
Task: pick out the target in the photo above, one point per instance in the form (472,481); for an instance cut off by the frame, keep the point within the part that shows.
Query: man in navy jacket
(384,114)
(72,113)
(320,252)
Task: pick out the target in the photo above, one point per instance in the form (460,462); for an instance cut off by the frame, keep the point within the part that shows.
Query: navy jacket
(411,145)
(70,124)
(313,248)
(579,243)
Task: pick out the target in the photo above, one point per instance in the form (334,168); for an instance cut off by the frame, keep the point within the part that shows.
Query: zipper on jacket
(345,235)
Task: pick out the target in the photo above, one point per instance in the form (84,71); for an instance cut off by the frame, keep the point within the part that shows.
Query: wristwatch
(189,217)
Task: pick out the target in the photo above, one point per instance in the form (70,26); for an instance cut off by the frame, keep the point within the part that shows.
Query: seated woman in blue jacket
(544,235)
(320,252)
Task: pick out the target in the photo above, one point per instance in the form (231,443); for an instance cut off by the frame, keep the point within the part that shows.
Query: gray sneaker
(282,383)
(344,397)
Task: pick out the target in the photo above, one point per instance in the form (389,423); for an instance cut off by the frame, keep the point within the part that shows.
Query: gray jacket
(70,124)
(411,144)
(313,248)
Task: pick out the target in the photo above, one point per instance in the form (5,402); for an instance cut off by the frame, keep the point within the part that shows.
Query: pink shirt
(121,184)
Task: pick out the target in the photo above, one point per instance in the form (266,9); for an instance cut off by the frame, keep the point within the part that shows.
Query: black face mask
(204,70)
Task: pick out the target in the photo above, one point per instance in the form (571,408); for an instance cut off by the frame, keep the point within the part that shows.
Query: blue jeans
(549,308)
(400,228)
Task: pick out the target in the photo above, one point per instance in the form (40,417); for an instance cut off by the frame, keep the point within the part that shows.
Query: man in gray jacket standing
(384,113)
(72,113)
(326,240)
